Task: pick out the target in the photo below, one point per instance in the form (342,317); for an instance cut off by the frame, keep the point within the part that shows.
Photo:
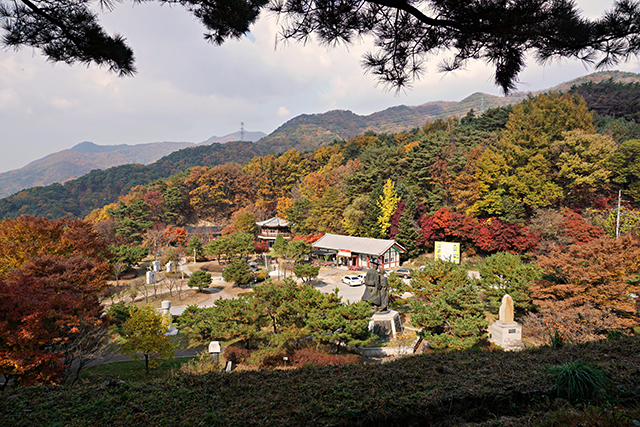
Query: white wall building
(360,251)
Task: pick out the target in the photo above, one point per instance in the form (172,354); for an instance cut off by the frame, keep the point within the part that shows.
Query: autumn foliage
(602,273)
(50,282)
(486,235)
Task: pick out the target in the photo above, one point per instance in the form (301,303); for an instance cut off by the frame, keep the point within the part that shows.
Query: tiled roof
(274,222)
(361,245)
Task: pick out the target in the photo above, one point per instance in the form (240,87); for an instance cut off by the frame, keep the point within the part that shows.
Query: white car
(353,280)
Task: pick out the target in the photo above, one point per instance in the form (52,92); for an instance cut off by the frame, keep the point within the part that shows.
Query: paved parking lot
(332,277)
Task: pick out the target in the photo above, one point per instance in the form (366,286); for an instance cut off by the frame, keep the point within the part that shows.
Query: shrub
(578,381)
(269,357)
(558,323)
(119,312)
(236,355)
(200,279)
(130,274)
(238,272)
(260,276)
(323,263)
(203,364)
(354,267)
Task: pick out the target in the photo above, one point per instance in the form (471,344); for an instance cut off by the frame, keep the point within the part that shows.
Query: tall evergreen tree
(408,235)
(370,223)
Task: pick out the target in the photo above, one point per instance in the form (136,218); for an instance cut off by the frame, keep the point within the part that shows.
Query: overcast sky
(189,90)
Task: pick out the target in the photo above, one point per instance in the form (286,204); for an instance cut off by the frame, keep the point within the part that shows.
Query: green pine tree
(408,234)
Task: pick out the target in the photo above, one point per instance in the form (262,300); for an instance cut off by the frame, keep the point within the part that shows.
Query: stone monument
(384,323)
(151,277)
(505,332)
(165,308)
(170,267)
(214,349)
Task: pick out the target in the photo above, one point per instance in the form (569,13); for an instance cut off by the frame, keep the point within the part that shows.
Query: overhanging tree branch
(405,32)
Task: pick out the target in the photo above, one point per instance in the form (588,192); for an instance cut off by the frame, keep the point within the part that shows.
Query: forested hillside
(528,191)
(536,181)
(312,130)
(513,179)
(76,198)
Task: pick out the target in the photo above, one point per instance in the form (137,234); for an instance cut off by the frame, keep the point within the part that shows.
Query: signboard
(447,251)
(344,252)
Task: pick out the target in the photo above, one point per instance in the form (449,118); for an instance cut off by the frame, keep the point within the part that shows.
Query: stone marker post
(214,349)
(166,312)
(505,332)
(151,277)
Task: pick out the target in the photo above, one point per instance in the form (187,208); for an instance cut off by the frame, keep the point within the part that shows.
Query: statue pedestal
(386,324)
(507,335)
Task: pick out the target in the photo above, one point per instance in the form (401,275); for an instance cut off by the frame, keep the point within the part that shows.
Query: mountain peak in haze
(87,147)
(236,136)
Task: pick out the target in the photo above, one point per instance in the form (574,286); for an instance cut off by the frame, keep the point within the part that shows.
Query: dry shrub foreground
(458,388)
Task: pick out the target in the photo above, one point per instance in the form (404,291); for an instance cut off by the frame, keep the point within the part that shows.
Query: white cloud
(282,112)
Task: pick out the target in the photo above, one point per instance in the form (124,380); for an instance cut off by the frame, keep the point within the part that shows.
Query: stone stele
(505,332)
(506,309)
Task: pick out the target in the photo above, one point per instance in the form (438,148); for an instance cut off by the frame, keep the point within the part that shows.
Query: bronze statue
(375,290)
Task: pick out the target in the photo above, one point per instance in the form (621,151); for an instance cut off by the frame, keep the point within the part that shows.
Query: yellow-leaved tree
(145,334)
(388,203)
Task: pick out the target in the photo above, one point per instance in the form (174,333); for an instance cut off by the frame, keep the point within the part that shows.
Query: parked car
(353,280)
(404,273)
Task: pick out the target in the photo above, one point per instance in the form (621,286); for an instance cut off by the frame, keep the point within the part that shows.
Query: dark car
(404,273)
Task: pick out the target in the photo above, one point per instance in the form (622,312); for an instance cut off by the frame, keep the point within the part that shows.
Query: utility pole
(618,215)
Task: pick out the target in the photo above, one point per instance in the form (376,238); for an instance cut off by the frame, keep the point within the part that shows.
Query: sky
(189,90)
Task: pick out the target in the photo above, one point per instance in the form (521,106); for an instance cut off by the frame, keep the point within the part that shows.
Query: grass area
(456,388)
(130,371)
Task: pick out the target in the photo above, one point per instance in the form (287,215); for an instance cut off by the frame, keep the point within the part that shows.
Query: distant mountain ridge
(309,130)
(303,133)
(81,159)
(235,136)
(86,156)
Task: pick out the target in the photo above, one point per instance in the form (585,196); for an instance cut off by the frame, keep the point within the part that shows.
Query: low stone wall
(389,351)
(384,351)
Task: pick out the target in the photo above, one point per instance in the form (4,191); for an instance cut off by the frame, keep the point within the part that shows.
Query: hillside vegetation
(528,191)
(443,389)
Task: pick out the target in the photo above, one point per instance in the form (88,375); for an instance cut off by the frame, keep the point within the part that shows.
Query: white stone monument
(156,265)
(151,277)
(166,311)
(170,266)
(214,349)
(165,307)
(506,333)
